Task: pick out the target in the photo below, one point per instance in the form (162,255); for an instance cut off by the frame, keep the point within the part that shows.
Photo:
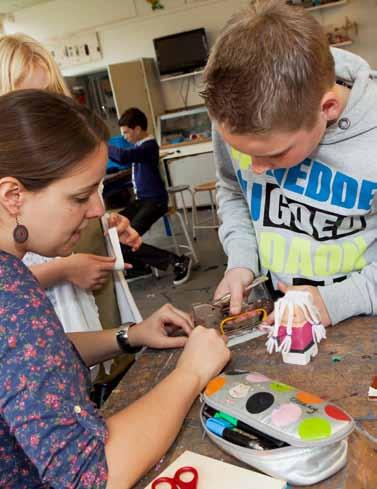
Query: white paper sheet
(214,474)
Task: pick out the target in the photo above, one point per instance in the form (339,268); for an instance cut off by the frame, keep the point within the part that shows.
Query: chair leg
(187,236)
(194,215)
(176,246)
(214,218)
(184,208)
(156,272)
(167,225)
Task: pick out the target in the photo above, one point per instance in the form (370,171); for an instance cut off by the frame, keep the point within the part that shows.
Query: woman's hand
(155,330)
(205,354)
(127,234)
(88,271)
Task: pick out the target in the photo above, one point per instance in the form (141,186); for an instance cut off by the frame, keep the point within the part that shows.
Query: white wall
(126,29)
(130,38)
(365,13)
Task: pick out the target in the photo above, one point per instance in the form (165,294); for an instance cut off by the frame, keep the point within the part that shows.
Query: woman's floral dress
(51,435)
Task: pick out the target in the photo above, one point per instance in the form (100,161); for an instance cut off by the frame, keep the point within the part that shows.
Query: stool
(180,189)
(209,187)
(172,211)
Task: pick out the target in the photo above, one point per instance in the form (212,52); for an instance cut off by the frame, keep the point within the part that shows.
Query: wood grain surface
(342,372)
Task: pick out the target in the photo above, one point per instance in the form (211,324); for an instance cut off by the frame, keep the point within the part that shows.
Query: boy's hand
(127,234)
(317,299)
(234,282)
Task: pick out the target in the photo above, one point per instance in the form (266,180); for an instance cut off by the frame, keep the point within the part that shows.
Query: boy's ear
(331,106)
(11,195)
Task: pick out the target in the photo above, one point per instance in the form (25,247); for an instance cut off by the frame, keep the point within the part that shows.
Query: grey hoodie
(317,221)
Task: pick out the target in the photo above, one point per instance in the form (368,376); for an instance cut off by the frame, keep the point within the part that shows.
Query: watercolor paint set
(279,429)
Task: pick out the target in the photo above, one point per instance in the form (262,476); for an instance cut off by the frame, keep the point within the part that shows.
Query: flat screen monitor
(182,52)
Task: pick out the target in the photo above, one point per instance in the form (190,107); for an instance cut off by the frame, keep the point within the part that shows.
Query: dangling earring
(20,233)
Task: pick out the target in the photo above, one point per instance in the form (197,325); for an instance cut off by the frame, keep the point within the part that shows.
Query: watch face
(122,339)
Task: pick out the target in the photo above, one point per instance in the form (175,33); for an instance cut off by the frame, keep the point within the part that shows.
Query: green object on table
(232,420)
(336,358)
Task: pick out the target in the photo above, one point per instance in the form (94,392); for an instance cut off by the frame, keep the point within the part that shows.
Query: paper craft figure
(297,329)
(372,393)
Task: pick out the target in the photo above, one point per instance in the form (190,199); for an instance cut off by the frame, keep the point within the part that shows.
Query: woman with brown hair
(51,434)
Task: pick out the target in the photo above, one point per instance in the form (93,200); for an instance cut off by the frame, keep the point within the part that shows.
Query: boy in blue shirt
(150,200)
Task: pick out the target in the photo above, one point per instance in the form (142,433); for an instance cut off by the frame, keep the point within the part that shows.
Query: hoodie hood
(360,114)
(350,66)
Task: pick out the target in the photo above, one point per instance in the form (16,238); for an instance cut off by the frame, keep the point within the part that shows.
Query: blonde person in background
(25,63)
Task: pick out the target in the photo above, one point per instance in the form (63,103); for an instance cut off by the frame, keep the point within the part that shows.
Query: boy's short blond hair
(268,70)
(19,54)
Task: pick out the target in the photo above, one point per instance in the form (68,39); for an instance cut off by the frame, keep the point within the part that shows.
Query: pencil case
(280,430)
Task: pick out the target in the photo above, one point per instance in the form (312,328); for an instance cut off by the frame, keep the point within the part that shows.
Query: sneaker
(182,270)
(136,274)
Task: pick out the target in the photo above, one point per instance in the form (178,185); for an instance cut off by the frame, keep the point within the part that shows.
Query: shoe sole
(133,279)
(186,277)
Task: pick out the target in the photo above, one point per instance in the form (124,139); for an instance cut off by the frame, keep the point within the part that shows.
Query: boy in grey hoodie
(295,141)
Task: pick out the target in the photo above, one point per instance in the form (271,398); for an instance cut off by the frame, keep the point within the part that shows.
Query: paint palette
(281,411)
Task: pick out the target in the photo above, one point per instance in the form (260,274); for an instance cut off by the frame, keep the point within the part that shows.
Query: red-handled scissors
(176,482)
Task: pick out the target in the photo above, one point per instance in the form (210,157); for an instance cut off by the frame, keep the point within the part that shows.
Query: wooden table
(342,372)
(196,164)
(118,175)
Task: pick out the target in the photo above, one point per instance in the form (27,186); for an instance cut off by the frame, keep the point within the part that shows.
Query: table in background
(119,175)
(117,189)
(189,164)
(344,382)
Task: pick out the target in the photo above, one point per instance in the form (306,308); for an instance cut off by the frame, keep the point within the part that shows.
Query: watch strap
(122,339)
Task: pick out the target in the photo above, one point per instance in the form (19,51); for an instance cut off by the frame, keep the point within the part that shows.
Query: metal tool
(216,314)
(225,299)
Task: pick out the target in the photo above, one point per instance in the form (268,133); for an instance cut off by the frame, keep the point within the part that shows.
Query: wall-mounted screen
(182,52)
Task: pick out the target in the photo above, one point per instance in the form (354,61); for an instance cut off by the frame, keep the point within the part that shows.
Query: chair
(170,231)
(180,189)
(209,187)
(172,211)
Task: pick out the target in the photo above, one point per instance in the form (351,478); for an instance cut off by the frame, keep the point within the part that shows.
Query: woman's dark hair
(134,117)
(44,135)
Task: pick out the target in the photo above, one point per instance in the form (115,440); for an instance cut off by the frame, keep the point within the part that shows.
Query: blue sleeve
(145,153)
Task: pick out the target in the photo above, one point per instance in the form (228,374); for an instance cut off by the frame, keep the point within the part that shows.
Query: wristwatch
(122,339)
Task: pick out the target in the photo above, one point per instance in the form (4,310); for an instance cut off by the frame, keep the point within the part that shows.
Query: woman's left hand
(155,330)
(127,234)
